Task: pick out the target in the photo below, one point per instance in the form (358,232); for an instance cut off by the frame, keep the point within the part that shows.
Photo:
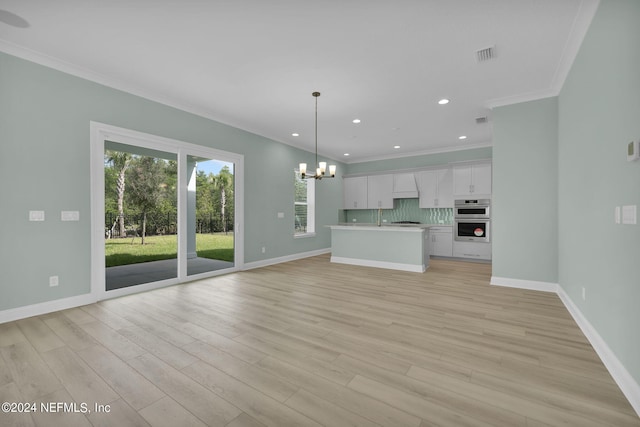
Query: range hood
(405,186)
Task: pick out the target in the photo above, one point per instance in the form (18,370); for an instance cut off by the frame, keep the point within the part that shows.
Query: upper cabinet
(472,179)
(355,192)
(436,188)
(380,192)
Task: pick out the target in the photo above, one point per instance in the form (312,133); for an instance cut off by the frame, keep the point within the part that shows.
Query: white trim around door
(100,133)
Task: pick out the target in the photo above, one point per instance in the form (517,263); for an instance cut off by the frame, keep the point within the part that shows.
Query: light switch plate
(36,215)
(70,216)
(629,214)
(280,214)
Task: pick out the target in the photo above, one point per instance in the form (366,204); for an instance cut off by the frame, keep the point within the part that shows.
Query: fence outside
(163,223)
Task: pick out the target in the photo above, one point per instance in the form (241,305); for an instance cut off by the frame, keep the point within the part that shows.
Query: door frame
(100,133)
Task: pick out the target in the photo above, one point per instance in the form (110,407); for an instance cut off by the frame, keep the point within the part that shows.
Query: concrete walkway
(123,276)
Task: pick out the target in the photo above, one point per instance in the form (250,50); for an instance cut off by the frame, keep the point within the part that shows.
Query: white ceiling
(253,64)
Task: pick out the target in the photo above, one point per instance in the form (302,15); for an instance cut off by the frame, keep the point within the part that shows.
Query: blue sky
(213,166)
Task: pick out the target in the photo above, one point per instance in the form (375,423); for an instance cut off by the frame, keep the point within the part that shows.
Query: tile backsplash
(403,210)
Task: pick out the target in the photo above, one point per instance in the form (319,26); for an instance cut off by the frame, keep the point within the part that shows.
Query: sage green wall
(599,110)
(384,245)
(525,191)
(424,160)
(44,165)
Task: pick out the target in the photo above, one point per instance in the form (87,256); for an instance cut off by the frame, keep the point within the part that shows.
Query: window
(304,206)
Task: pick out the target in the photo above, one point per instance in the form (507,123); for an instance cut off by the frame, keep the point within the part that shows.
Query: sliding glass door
(163,211)
(210,215)
(141,215)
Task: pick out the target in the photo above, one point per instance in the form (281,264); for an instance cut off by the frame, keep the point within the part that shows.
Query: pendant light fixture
(321,167)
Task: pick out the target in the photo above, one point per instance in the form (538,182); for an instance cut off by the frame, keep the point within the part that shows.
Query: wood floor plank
(250,374)
(166,412)
(69,332)
(10,393)
(433,393)
(118,414)
(423,408)
(310,342)
(325,412)
(113,340)
(99,312)
(78,316)
(201,402)
(82,383)
(33,377)
(508,401)
(245,420)
(10,333)
(156,345)
(321,368)
(261,407)
(41,337)
(73,415)
(135,389)
(374,410)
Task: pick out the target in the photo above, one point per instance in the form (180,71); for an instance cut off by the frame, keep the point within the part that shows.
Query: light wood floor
(310,343)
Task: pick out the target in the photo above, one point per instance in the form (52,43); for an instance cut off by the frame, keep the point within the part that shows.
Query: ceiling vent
(481,120)
(486,54)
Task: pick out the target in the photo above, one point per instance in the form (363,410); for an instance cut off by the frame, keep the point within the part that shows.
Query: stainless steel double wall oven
(472,220)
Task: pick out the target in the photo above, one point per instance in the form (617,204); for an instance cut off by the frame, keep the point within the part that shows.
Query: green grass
(131,251)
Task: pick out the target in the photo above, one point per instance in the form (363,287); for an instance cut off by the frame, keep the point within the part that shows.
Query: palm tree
(224,184)
(120,162)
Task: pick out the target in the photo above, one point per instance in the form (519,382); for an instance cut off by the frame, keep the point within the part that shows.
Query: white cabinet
(355,193)
(472,180)
(380,191)
(474,250)
(436,188)
(441,241)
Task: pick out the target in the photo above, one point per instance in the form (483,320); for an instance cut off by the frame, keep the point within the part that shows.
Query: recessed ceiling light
(462,137)
(396,146)
(356,120)
(443,101)
(295,134)
(346,154)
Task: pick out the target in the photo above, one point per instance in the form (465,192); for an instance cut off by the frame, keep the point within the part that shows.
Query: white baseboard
(18,313)
(45,307)
(524,284)
(380,264)
(627,383)
(287,258)
(630,388)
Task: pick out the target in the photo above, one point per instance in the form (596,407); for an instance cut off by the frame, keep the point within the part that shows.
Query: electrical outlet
(584,294)
(264,249)
(53,281)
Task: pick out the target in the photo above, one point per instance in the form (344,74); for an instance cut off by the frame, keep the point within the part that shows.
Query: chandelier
(321,167)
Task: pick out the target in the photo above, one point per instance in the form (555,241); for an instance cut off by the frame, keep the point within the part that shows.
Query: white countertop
(385,227)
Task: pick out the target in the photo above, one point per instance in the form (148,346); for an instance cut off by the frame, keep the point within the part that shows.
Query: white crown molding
(438,150)
(581,24)
(586,12)
(92,76)
(627,383)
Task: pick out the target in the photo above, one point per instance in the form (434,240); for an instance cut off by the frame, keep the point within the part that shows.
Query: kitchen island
(388,246)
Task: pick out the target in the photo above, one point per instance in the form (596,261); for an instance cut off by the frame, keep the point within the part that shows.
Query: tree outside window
(304,205)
